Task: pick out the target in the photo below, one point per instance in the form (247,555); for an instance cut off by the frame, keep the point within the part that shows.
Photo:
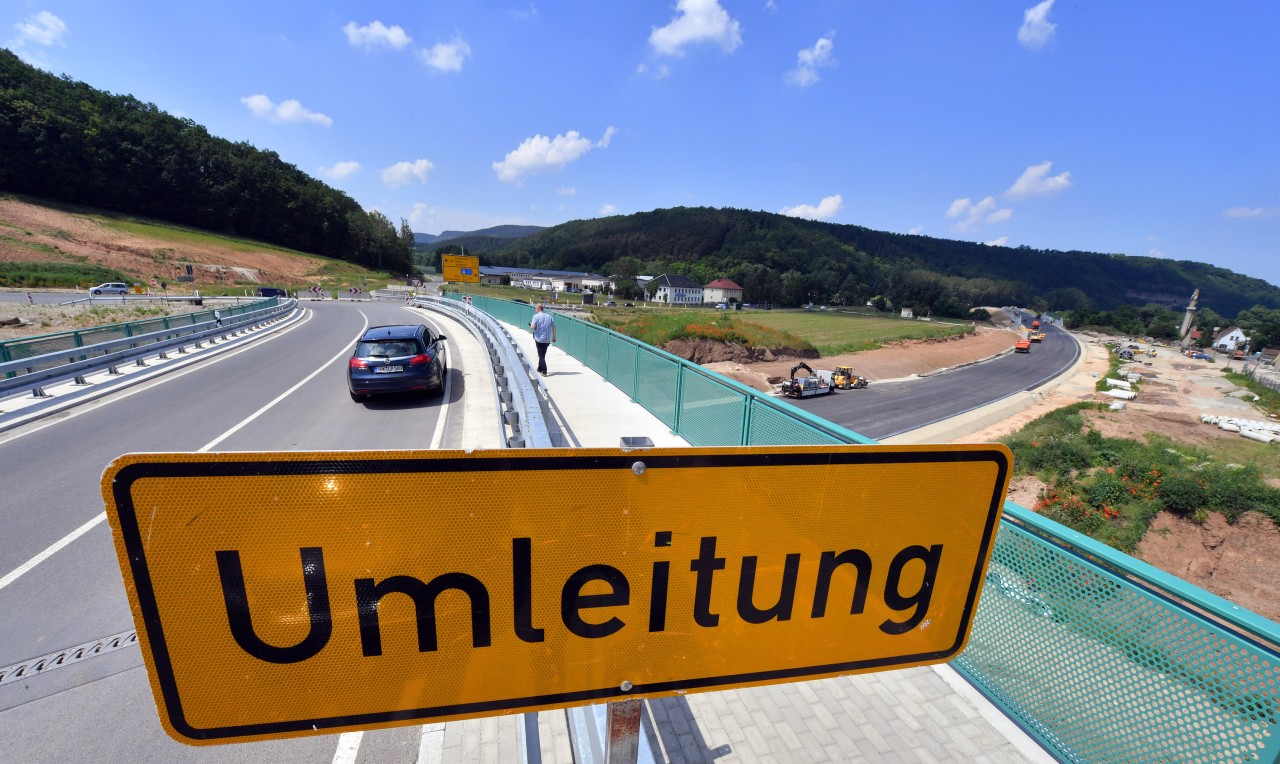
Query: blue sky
(1136,127)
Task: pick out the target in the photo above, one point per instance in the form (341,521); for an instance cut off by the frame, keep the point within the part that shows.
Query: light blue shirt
(542,323)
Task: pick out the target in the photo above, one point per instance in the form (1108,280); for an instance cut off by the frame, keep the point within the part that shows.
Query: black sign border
(126,476)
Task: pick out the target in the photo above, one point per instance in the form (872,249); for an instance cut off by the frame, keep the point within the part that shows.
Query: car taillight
(420,359)
(357,363)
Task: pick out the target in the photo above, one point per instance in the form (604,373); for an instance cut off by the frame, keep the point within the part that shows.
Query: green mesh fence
(1104,665)
(1097,655)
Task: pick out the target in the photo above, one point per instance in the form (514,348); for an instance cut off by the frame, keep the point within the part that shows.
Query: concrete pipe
(1124,395)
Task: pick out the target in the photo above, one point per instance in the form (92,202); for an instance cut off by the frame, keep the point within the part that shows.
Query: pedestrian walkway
(927,714)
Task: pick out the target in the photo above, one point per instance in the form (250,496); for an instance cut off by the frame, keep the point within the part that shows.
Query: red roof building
(722,291)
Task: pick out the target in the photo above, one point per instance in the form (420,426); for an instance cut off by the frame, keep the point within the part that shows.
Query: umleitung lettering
(586,615)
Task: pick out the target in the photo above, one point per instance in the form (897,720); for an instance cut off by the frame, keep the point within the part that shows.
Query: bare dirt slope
(1238,562)
(902,359)
(32,233)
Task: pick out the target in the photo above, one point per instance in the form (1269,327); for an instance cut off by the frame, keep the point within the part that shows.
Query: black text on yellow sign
(295,593)
(460,268)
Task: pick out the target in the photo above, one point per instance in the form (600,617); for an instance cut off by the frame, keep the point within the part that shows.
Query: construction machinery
(1035,324)
(1036,336)
(1023,346)
(817,383)
(845,379)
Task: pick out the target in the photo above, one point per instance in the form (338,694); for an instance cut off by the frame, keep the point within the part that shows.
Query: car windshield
(387,349)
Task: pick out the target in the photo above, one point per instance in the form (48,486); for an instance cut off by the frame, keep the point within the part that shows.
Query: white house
(673,289)
(1230,339)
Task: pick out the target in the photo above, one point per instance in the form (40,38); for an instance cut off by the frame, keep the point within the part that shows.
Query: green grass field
(833,333)
(829,332)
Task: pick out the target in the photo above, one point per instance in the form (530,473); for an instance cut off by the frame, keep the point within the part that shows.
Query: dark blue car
(396,359)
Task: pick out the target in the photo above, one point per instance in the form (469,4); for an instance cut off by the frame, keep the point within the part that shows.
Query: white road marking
(344,351)
(78,532)
(161,378)
(348,747)
(46,554)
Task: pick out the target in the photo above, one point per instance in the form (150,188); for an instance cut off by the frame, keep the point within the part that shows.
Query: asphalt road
(286,392)
(882,410)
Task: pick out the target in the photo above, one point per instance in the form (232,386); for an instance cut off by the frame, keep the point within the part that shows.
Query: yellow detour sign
(300,593)
(464,268)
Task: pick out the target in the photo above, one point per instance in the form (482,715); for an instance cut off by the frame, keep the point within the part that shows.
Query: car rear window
(387,348)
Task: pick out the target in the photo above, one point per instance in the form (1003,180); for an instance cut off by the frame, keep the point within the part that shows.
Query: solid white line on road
(46,554)
(161,377)
(346,349)
(437,438)
(78,532)
(348,748)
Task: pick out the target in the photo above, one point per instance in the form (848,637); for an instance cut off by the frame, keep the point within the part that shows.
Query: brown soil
(1239,562)
(902,359)
(30,233)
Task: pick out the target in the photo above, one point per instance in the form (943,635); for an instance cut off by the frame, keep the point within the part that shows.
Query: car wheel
(96,291)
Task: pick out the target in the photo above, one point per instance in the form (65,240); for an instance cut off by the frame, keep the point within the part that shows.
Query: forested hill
(65,141)
(793,261)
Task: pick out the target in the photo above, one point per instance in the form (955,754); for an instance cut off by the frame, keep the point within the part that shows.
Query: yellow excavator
(845,379)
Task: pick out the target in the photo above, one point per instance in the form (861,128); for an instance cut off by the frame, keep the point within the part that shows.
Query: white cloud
(421,216)
(607,209)
(1035,181)
(285,111)
(567,191)
(696,21)
(605,139)
(810,60)
(1153,252)
(446,56)
(972,216)
(1000,242)
(1252,212)
(770,6)
(825,209)
(660,72)
(404,173)
(376,34)
(915,230)
(1036,29)
(43,28)
(543,154)
(341,170)
(524,15)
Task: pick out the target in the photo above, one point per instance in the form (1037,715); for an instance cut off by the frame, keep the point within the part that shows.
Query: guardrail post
(746,422)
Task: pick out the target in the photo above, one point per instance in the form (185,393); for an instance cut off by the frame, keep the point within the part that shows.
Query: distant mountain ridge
(495,232)
(792,261)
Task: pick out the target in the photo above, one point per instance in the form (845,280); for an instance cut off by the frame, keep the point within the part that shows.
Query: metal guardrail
(520,410)
(32,372)
(1095,654)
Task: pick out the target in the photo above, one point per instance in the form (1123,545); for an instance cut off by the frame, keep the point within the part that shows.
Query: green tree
(1261,325)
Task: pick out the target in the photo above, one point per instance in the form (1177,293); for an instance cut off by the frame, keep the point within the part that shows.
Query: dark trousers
(542,356)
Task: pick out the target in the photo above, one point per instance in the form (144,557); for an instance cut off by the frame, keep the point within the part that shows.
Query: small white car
(111,287)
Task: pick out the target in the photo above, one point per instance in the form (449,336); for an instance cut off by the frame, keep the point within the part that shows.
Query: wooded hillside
(791,261)
(64,141)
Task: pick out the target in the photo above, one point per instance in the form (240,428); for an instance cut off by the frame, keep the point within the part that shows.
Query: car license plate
(387,369)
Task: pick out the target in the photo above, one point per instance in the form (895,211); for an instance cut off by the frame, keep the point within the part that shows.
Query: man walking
(544,333)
